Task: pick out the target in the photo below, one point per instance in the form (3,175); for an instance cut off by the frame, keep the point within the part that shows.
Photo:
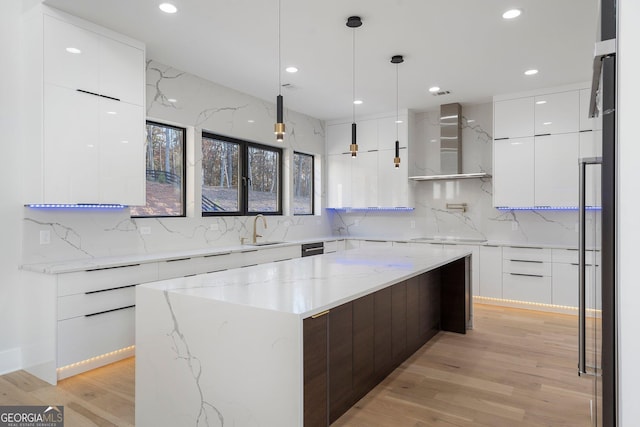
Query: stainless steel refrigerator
(597,294)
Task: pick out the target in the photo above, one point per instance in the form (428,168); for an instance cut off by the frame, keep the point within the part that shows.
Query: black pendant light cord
(397,102)
(353,83)
(279,54)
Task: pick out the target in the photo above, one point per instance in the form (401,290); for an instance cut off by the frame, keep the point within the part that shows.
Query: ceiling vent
(289,86)
(441,92)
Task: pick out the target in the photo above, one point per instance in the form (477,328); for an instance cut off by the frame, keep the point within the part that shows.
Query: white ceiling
(460,45)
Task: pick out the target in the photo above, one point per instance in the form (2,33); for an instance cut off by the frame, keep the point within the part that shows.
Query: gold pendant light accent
(354,22)
(279,128)
(397,59)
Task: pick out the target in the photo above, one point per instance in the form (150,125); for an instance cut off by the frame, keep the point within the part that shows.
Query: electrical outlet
(214,226)
(145,230)
(413,224)
(45,237)
(514,226)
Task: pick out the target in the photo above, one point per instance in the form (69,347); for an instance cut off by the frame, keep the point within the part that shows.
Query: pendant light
(279,128)
(397,59)
(354,22)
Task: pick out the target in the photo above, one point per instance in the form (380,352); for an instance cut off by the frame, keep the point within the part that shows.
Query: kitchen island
(290,343)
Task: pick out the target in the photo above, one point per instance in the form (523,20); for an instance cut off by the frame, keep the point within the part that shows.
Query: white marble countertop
(306,286)
(71,266)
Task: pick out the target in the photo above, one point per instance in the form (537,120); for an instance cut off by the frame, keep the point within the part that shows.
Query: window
(303,184)
(240,177)
(165,172)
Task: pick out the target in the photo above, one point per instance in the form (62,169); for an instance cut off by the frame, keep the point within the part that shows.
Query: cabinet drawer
(571,256)
(527,288)
(524,253)
(106,278)
(261,256)
(526,266)
(95,302)
(330,247)
(84,337)
(215,262)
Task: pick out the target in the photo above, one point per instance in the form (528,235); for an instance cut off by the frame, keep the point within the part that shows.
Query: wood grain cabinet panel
(399,323)
(363,347)
(382,333)
(316,372)
(340,360)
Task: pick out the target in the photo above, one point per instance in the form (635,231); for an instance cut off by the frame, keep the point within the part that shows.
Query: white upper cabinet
(556,170)
(557,113)
(370,179)
(80,59)
(338,138)
(513,118)
(513,171)
(85,100)
(545,173)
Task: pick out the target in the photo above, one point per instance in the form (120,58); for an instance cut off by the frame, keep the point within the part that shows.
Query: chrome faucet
(255,221)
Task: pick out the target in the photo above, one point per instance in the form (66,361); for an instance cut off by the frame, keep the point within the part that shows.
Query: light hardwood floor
(516,368)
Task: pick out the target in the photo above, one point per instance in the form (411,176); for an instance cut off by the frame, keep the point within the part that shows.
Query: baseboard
(10,360)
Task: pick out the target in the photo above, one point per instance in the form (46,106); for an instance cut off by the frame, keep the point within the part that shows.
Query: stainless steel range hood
(450,147)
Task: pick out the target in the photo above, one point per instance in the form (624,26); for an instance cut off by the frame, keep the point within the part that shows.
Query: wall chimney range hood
(450,147)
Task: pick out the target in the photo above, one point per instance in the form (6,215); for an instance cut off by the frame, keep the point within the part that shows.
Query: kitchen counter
(229,345)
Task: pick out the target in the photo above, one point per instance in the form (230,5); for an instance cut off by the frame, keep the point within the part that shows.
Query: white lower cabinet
(490,271)
(566,279)
(526,274)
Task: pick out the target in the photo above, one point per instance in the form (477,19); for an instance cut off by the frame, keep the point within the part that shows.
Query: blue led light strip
(547,208)
(373,209)
(71,206)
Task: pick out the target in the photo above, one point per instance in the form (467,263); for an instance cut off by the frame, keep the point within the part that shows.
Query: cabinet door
(393,183)
(387,133)
(413,314)
(382,331)
(64,68)
(529,288)
(71,146)
(363,347)
(399,323)
(475,267)
(121,71)
(122,153)
(367,135)
(513,118)
(340,360)
(586,123)
(491,271)
(316,376)
(556,170)
(565,285)
(339,180)
(557,113)
(513,172)
(338,138)
(364,180)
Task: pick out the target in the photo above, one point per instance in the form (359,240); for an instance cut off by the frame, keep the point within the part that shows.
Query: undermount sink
(264,243)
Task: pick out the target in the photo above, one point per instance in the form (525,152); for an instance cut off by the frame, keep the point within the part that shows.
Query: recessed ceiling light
(357,101)
(124,141)
(251,121)
(511,13)
(74,50)
(530,72)
(112,112)
(291,70)
(398,121)
(546,123)
(172,100)
(168,8)
(541,102)
(434,89)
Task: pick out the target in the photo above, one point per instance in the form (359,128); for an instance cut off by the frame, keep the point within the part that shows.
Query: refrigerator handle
(582,351)
(602,50)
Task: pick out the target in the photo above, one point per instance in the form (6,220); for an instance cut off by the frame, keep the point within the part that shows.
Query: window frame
(183,178)
(243,190)
(313,184)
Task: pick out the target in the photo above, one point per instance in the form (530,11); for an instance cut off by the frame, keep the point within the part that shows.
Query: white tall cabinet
(369,179)
(85,110)
(537,143)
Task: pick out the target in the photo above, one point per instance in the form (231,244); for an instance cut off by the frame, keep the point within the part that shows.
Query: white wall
(200,105)
(628,233)
(10,209)
(481,221)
